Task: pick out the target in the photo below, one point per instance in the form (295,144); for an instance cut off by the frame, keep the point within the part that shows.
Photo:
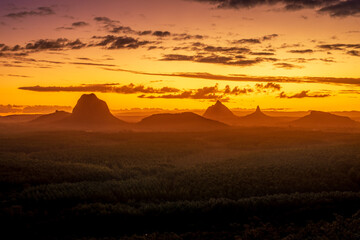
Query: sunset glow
(181,54)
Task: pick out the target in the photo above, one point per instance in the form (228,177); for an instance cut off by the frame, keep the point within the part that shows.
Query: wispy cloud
(335,8)
(245,78)
(303,94)
(104,88)
(40,11)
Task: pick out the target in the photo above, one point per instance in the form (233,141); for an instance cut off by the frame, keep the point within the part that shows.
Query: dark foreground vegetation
(238,184)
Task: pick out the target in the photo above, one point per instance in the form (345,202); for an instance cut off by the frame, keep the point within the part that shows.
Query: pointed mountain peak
(218,103)
(219,112)
(259,116)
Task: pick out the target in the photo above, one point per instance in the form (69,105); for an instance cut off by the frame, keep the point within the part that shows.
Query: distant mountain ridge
(186,121)
(320,120)
(91,113)
(220,112)
(50,118)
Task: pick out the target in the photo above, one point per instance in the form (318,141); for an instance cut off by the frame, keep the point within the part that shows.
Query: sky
(180,54)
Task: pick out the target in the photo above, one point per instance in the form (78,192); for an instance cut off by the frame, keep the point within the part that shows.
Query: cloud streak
(334,8)
(205,93)
(217,59)
(103,88)
(303,94)
(245,78)
(40,11)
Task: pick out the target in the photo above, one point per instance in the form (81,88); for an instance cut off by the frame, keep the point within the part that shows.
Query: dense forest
(253,183)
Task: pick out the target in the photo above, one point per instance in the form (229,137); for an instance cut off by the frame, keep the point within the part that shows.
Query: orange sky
(180,54)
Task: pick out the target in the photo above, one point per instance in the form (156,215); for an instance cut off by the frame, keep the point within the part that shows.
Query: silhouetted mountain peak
(218,103)
(92,110)
(90,105)
(219,112)
(258,113)
(318,119)
(257,118)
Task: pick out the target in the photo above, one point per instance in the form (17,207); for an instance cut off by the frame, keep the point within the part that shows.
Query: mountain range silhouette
(318,120)
(92,113)
(50,118)
(186,121)
(221,113)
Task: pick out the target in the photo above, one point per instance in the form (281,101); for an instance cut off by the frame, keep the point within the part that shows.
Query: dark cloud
(247,40)
(107,21)
(245,78)
(183,95)
(255,40)
(303,94)
(147,32)
(286,45)
(343,8)
(185,36)
(338,46)
(227,50)
(269,37)
(335,8)
(177,57)
(237,90)
(104,88)
(114,42)
(114,27)
(216,59)
(354,53)
(40,45)
(287,65)
(123,29)
(327,60)
(350,49)
(64,28)
(269,86)
(306,60)
(80,24)
(40,11)
(58,44)
(205,93)
(262,53)
(161,33)
(218,55)
(301,51)
(74,25)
